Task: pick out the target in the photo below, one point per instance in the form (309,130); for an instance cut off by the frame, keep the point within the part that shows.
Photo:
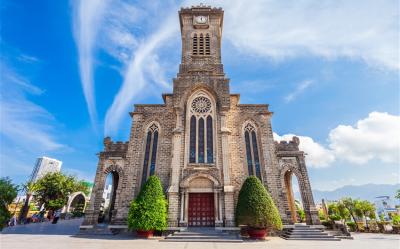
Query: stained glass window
(253,158)
(255,153)
(154,153)
(192,156)
(248,152)
(150,154)
(201,140)
(210,156)
(146,157)
(201,134)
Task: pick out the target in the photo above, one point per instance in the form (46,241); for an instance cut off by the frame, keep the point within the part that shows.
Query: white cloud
(299,90)
(140,55)
(375,137)
(317,156)
(364,30)
(141,70)
(26,124)
(137,34)
(87,19)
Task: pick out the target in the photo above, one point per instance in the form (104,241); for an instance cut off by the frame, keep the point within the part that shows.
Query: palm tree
(29,188)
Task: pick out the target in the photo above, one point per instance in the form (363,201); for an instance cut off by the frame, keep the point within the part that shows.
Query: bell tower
(201,32)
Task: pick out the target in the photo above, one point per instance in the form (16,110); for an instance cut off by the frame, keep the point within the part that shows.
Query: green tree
(350,205)
(397,194)
(8,192)
(148,212)
(300,211)
(53,189)
(337,211)
(365,209)
(255,207)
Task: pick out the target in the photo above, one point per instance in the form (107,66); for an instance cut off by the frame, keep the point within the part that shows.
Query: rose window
(201,104)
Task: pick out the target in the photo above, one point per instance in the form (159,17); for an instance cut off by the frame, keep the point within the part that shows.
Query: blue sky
(72,70)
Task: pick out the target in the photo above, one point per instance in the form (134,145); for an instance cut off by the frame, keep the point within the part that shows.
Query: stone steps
(304,232)
(99,230)
(203,235)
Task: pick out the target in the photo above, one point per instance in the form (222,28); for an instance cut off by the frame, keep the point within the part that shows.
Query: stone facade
(212,158)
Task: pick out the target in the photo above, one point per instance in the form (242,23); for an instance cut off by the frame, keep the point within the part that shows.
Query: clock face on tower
(200,19)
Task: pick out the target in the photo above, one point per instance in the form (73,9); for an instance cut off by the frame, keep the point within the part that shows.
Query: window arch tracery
(252,153)
(201,133)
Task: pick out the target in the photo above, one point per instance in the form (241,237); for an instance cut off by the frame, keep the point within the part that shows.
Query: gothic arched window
(252,156)
(150,154)
(201,147)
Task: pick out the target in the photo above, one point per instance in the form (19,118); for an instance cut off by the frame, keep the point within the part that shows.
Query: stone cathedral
(201,142)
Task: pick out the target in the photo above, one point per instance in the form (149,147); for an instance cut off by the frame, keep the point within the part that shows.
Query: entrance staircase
(203,235)
(305,232)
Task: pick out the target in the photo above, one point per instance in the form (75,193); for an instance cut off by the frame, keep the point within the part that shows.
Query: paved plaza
(19,241)
(62,236)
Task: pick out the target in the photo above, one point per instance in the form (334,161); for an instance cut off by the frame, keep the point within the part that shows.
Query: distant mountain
(365,192)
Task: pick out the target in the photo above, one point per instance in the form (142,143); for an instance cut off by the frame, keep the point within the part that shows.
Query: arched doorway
(201,201)
(293,194)
(76,204)
(109,197)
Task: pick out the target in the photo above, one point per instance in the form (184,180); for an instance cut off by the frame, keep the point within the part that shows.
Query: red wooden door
(201,209)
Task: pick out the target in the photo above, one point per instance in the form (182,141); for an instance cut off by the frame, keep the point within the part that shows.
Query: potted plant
(256,209)
(148,212)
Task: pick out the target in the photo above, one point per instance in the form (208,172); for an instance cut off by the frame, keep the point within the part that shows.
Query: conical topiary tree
(148,212)
(255,207)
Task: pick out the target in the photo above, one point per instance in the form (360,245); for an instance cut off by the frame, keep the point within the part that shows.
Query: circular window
(201,104)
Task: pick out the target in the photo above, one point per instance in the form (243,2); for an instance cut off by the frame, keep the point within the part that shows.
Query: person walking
(13,220)
(57,214)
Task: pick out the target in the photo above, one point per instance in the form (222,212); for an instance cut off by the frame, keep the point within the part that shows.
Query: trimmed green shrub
(149,210)
(255,207)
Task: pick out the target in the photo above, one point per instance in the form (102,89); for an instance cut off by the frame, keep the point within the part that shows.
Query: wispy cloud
(364,30)
(135,78)
(132,33)
(136,34)
(24,123)
(299,90)
(87,20)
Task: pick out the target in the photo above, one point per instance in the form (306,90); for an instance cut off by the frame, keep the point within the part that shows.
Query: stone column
(182,206)
(173,190)
(311,212)
(228,188)
(92,211)
(186,207)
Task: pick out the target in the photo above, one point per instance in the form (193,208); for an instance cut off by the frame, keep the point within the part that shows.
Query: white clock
(201,19)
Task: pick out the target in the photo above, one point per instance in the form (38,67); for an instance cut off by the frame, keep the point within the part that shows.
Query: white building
(43,166)
(107,196)
(384,205)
